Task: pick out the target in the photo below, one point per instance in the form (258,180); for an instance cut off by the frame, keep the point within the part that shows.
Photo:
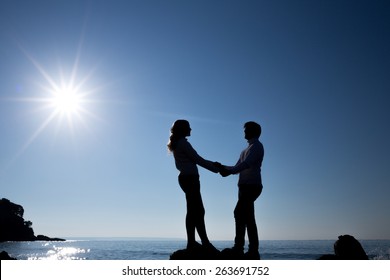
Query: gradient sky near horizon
(314,74)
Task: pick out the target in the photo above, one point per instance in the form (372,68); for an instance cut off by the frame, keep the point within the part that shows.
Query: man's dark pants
(244,215)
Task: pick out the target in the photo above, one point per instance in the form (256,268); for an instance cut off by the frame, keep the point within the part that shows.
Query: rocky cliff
(13,227)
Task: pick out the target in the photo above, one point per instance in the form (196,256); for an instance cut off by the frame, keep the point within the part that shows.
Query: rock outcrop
(197,254)
(45,238)
(346,248)
(202,253)
(13,227)
(5,257)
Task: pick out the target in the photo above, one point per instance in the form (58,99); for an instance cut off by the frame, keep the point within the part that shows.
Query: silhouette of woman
(186,161)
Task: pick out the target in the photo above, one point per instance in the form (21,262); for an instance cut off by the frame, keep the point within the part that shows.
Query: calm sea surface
(94,249)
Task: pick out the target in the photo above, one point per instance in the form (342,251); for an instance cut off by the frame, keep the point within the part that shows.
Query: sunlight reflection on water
(61,253)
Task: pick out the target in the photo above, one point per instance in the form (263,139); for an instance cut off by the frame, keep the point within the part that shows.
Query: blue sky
(314,74)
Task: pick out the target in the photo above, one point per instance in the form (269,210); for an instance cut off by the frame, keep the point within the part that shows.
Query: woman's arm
(197,159)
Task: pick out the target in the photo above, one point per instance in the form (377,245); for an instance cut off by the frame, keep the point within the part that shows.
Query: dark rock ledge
(14,227)
(5,257)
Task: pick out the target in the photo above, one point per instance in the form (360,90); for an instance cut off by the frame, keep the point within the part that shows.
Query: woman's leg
(190,222)
(199,219)
(195,209)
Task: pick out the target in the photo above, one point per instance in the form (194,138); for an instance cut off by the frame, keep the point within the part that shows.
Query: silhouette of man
(250,187)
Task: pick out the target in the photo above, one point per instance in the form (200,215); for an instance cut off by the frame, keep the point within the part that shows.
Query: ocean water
(114,249)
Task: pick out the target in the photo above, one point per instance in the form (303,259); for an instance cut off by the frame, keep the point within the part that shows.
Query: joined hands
(222,169)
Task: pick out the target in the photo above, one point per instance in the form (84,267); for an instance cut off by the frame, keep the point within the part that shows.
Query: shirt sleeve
(240,165)
(247,159)
(193,155)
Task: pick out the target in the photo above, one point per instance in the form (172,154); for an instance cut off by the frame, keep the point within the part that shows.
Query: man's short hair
(254,128)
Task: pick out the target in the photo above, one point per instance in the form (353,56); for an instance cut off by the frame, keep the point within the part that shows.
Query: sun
(67,96)
(66,100)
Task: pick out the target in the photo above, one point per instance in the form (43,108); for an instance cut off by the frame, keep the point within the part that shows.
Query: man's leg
(239,216)
(252,227)
(253,192)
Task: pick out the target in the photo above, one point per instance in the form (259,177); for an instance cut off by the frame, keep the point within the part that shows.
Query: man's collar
(252,140)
